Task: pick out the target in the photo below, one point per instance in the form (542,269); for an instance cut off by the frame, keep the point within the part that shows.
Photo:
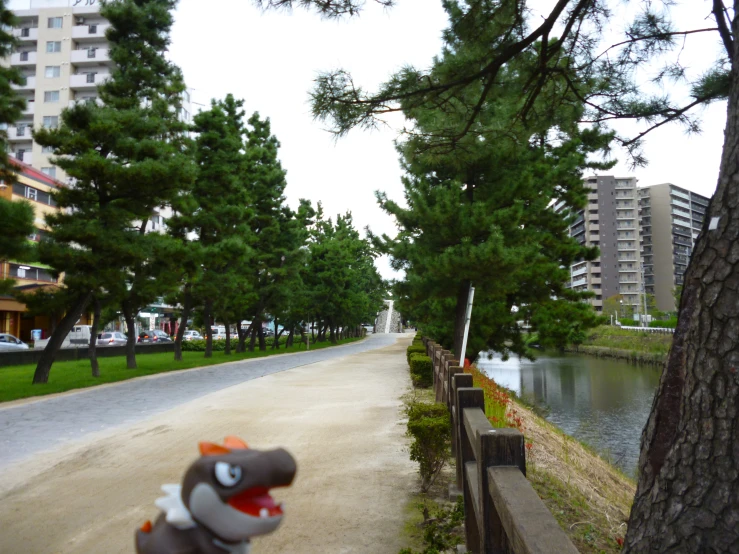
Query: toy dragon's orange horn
(210,449)
(235,443)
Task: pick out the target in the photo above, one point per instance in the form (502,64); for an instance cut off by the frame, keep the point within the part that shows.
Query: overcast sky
(270,60)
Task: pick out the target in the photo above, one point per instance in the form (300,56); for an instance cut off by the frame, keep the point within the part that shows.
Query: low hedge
(414,349)
(429,426)
(422,372)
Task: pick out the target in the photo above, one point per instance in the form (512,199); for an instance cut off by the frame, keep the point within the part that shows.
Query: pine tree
(126,157)
(221,213)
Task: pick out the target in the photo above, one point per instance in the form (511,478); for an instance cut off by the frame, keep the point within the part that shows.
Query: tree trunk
(207,316)
(290,338)
(253,338)
(242,334)
(688,489)
(262,341)
(331,332)
(130,317)
(43,368)
(460,311)
(92,349)
(186,307)
(227,349)
(276,343)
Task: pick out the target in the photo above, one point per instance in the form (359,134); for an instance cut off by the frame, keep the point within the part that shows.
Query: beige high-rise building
(671,219)
(63,54)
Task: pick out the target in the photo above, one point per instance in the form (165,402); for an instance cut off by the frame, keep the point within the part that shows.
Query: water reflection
(604,403)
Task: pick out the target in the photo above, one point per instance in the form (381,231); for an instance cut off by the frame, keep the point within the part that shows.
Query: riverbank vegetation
(634,346)
(15,381)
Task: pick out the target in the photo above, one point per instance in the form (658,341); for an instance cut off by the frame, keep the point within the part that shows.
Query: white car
(192,335)
(112,339)
(9,342)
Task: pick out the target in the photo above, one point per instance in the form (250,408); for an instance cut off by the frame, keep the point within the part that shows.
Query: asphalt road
(34,427)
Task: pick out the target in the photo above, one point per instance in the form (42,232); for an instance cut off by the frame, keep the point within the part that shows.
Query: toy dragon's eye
(228,475)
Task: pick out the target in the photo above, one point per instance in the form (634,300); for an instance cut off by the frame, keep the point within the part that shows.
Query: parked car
(192,335)
(153,337)
(112,339)
(9,342)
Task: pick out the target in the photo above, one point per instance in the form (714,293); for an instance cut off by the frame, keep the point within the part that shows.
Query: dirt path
(341,419)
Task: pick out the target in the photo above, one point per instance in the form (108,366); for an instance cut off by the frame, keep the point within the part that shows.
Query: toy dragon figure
(222,503)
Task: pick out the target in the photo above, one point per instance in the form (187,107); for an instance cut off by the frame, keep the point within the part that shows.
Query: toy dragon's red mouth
(256,502)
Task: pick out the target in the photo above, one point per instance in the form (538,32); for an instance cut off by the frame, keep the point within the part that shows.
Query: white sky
(270,60)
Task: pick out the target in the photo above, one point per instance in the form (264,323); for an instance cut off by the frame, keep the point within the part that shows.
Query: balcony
(682,241)
(579,281)
(26,35)
(680,194)
(625,185)
(85,32)
(29,109)
(20,134)
(87,81)
(29,83)
(581,271)
(95,56)
(676,202)
(24,157)
(23,59)
(595,281)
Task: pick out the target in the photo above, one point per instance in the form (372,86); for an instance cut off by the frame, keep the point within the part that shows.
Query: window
(47,150)
(20,130)
(50,171)
(26,32)
(51,121)
(53,46)
(55,22)
(93,29)
(91,77)
(53,71)
(91,52)
(51,96)
(31,193)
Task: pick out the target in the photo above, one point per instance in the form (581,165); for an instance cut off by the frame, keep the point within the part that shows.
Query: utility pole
(467,318)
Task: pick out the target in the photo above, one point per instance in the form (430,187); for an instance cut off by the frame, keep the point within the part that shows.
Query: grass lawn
(15,381)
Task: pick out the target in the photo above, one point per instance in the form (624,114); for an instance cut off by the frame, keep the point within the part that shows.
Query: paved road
(27,429)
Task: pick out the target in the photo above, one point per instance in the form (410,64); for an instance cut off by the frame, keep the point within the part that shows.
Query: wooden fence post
(467,398)
(459,380)
(454,369)
(439,389)
(498,447)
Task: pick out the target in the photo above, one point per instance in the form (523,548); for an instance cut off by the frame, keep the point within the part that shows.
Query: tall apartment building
(610,221)
(63,55)
(671,219)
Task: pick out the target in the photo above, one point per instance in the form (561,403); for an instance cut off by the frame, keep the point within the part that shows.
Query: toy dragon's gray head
(227,489)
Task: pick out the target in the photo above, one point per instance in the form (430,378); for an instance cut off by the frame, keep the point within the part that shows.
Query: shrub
(422,371)
(669,324)
(430,428)
(628,322)
(199,345)
(414,349)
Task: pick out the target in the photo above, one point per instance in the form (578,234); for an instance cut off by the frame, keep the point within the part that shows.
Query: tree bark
(460,311)
(186,308)
(262,341)
(92,349)
(688,489)
(253,338)
(207,316)
(43,368)
(290,338)
(331,332)
(130,318)
(227,349)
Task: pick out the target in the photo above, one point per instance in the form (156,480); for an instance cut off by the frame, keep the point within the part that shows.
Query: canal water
(604,403)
